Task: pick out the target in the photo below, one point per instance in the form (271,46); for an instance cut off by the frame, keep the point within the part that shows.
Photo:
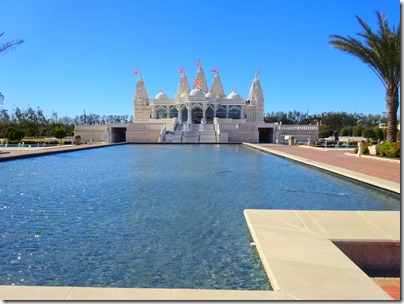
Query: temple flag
(214,70)
(196,81)
(198,63)
(136,72)
(181,71)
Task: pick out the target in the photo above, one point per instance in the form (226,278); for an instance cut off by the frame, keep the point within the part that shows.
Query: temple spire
(183,86)
(256,98)
(217,86)
(140,100)
(200,75)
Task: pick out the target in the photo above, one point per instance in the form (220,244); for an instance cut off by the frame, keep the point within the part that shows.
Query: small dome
(209,94)
(183,95)
(197,92)
(161,95)
(234,95)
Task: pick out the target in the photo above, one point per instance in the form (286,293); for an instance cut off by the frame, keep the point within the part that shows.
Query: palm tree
(9,44)
(381,52)
(4,48)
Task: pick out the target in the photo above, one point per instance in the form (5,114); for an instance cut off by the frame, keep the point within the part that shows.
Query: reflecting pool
(162,216)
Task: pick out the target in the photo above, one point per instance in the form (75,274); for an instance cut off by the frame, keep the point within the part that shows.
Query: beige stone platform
(299,252)
(154,294)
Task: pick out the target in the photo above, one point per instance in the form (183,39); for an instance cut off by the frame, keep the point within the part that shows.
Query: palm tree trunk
(392,107)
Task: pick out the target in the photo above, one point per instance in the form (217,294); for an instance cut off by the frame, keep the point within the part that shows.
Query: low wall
(374,258)
(142,136)
(243,136)
(91,133)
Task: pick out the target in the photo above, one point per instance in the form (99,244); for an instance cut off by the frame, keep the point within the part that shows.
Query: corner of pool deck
(300,253)
(298,249)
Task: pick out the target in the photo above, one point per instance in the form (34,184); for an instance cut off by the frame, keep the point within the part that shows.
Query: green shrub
(18,135)
(368,133)
(29,132)
(379,133)
(347,131)
(390,149)
(324,133)
(384,133)
(8,133)
(357,130)
(59,133)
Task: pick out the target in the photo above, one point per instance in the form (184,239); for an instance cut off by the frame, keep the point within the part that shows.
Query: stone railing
(90,128)
(238,127)
(298,127)
(162,134)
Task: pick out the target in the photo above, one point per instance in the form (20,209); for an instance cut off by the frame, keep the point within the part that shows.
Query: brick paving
(390,285)
(369,165)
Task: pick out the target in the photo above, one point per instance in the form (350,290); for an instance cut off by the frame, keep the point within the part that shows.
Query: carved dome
(161,95)
(234,95)
(198,91)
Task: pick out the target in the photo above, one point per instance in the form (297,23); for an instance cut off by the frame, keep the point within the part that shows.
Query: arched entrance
(234,112)
(161,112)
(173,112)
(221,112)
(197,113)
(184,114)
(209,115)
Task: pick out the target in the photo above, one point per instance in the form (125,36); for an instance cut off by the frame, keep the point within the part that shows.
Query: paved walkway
(18,153)
(374,166)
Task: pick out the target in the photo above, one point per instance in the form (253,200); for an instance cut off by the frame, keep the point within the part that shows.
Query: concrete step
(207,139)
(190,133)
(207,132)
(190,139)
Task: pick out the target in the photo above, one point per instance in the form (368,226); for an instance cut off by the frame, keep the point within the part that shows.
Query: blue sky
(80,55)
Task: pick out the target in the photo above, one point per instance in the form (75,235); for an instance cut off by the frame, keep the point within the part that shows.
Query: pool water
(161,216)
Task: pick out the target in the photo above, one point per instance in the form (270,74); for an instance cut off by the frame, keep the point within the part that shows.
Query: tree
(59,133)
(381,52)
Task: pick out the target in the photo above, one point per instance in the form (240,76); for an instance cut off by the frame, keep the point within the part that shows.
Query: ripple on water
(153,216)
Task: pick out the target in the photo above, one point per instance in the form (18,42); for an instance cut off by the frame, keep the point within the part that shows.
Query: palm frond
(380,50)
(9,45)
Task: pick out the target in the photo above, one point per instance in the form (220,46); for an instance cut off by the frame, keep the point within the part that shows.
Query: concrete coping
(69,293)
(299,251)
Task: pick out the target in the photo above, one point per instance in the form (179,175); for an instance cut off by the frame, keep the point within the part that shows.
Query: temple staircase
(195,133)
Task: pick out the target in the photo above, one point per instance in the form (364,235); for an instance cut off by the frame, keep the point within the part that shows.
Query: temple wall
(142,136)
(91,133)
(243,136)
